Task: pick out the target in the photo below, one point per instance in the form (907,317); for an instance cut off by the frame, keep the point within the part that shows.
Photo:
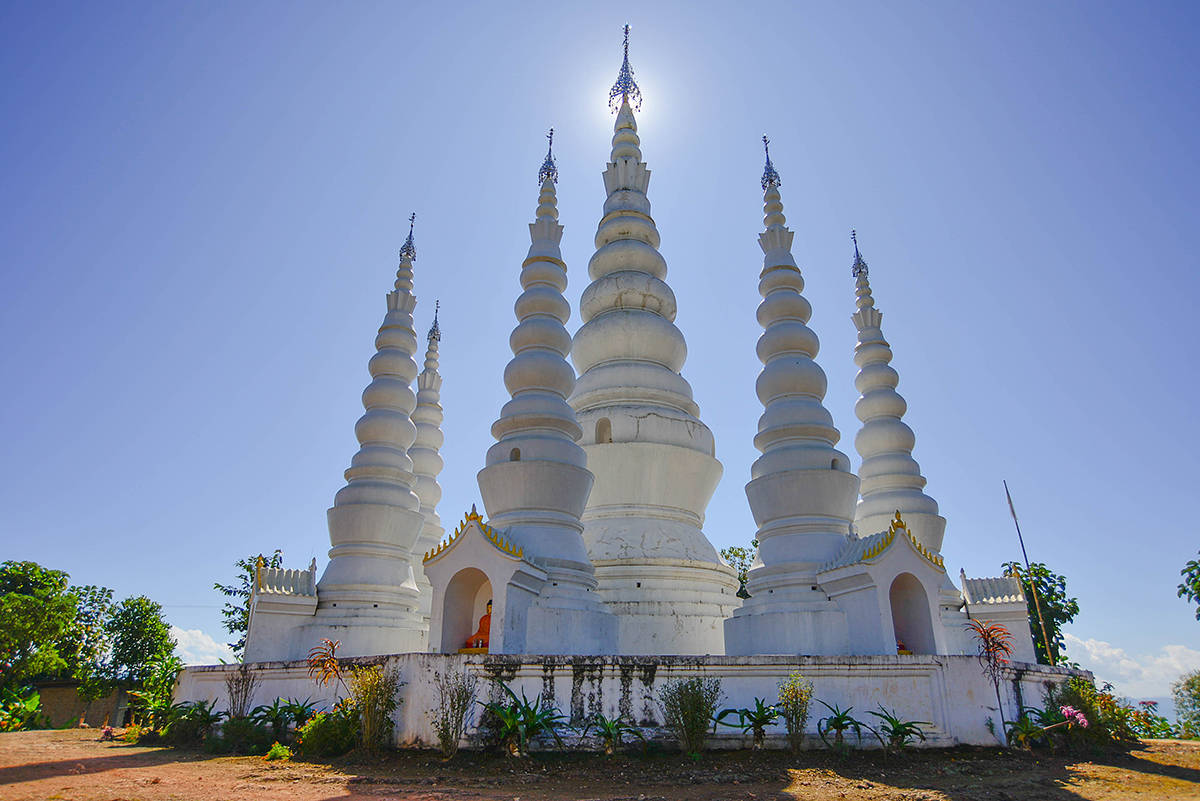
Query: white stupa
(368,599)
(891,478)
(427,460)
(653,459)
(801,491)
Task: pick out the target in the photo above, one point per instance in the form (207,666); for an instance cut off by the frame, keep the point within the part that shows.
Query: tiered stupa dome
(653,459)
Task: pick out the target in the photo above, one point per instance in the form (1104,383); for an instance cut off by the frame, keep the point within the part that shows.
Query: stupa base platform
(949,691)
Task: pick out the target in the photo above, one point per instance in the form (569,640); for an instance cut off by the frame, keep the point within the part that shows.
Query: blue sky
(202,206)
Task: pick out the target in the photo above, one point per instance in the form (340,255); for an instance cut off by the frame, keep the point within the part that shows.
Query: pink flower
(1073,716)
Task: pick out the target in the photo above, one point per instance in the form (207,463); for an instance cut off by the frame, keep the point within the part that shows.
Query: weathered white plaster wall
(948,691)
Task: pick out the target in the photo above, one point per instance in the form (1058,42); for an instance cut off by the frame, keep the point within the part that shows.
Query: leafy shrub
(242,736)
(152,703)
(688,706)
(456,700)
(751,720)
(300,712)
(1187,703)
(374,693)
(1147,722)
(1041,726)
(191,723)
(1027,730)
(1111,722)
(329,734)
(21,710)
(278,751)
(277,716)
(518,721)
(894,733)
(839,721)
(611,731)
(795,695)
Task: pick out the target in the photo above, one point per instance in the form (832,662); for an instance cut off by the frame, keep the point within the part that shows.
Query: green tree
(1187,703)
(237,611)
(1190,588)
(1057,607)
(140,638)
(35,611)
(85,644)
(741,559)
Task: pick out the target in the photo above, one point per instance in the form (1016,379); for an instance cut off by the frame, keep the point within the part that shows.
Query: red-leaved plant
(994,644)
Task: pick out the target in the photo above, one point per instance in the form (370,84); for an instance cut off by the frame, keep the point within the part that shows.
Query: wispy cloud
(197,648)
(1137,676)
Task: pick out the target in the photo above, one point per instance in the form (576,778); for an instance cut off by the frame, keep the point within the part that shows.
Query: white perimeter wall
(949,691)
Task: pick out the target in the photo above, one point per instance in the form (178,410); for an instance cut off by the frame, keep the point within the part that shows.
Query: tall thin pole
(1037,604)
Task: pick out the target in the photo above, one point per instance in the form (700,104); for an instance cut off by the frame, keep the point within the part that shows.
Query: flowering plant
(1073,717)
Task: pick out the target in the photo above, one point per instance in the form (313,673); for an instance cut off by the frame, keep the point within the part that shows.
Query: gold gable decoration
(490,533)
(898,525)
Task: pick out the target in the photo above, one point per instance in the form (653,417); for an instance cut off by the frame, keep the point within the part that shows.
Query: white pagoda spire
(652,456)
(427,461)
(368,597)
(536,482)
(801,491)
(891,478)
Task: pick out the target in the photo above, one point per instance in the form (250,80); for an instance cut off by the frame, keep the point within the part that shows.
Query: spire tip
(435,331)
(549,170)
(408,250)
(625,87)
(859,268)
(770,177)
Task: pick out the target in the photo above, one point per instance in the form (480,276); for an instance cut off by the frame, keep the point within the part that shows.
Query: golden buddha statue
(480,638)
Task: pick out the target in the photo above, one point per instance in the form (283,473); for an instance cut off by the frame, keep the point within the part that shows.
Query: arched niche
(603,430)
(910,615)
(465,601)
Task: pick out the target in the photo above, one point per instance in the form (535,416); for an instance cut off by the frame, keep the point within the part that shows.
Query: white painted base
(667,606)
(762,626)
(948,691)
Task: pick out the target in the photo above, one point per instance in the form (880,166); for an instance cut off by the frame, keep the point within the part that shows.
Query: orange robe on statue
(480,638)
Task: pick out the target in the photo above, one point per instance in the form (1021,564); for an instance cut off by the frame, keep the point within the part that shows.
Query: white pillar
(801,491)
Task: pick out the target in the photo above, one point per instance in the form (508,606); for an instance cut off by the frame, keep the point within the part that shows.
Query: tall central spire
(651,455)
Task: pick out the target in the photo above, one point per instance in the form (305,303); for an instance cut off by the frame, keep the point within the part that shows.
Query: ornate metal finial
(435,331)
(860,264)
(408,250)
(549,170)
(625,87)
(770,176)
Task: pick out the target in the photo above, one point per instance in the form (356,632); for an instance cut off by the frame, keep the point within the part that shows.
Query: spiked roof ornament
(860,265)
(549,170)
(625,89)
(770,176)
(408,250)
(435,331)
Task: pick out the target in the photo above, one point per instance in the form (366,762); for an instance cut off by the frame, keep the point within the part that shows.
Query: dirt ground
(74,766)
